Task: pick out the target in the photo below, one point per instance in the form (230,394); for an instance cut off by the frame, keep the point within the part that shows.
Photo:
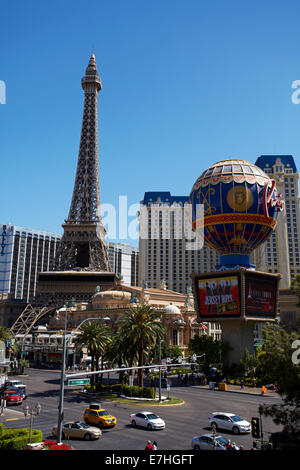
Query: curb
(240,392)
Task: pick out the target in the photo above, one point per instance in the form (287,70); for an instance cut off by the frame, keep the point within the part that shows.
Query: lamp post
(62,376)
(32,412)
(159,376)
(63,367)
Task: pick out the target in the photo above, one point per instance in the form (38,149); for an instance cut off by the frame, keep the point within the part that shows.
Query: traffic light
(255,425)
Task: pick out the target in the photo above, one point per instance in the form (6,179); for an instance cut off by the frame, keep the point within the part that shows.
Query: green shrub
(117,388)
(1,430)
(139,392)
(17,439)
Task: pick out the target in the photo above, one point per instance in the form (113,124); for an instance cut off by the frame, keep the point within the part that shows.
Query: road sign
(79,382)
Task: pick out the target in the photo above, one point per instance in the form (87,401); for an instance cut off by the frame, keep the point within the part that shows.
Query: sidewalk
(245,390)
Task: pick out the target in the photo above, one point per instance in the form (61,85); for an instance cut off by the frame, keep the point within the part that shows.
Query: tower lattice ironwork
(82,246)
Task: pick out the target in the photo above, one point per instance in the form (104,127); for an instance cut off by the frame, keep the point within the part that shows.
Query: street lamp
(63,367)
(62,376)
(32,412)
(159,376)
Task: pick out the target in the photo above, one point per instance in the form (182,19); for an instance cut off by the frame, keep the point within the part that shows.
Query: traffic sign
(79,382)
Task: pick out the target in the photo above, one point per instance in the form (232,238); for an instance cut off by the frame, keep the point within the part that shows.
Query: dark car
(18,391)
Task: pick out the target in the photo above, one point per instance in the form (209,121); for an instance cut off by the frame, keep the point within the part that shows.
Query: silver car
(229,422)
(206,442)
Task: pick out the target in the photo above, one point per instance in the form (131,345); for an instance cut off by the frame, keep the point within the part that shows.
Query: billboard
(219,296)
(260,298)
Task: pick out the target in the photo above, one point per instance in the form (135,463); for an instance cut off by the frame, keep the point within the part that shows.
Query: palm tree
(5,334)
(141,327)
(96,338)
(120,352)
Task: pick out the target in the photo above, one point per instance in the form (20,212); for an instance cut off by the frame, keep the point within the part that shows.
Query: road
(182,422)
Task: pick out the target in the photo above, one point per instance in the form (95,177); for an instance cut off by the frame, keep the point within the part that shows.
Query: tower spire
(85,203)
(82,245)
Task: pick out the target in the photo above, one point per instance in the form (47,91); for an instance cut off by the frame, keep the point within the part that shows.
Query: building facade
(280,253)
(24,253)
(169,250)
(124,261)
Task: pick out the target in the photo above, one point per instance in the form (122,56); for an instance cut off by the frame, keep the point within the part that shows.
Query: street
(182,421)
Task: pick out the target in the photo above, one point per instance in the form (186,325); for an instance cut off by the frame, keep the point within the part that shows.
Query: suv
(99,417)
(230,422)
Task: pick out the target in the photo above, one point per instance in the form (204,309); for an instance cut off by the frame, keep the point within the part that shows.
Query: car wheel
(196,447)
(86,421)
(149,427)
(235,430)
(214,427)
(133,423)
(100,424)
(87,437)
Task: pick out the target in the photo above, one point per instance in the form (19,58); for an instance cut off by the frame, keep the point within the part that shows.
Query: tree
(141,327)
(96,338)
(5,334)
(295,285)
(213,351)
(275,362)
(248,363)
(120,352)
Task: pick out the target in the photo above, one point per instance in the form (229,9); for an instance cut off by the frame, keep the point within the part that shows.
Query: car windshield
(152,416)
(221,440)
(103,413)
(82,425)
(236,418)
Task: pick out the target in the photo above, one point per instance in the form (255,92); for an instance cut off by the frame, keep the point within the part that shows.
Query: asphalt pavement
(182,422)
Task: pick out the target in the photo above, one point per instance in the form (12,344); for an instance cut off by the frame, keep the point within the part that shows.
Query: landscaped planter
(52,445)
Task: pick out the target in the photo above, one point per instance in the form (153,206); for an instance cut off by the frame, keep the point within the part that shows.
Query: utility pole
(62,376)
(159,362)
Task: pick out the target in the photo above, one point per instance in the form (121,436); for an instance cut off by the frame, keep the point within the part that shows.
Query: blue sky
(185,84)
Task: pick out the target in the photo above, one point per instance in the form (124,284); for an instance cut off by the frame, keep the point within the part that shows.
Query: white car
(229,422)
(148,420)
(17,384)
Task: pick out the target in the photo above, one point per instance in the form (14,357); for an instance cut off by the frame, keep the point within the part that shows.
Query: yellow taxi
(99,417)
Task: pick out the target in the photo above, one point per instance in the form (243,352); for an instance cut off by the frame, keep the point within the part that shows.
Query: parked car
(230,422)
(11,397)
(99,417)
(78,430)
(148,420)
(206,442)
(15,383)
(18,391)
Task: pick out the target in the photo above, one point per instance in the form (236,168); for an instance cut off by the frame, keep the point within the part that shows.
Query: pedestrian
(149,446)
(242,384)
(154,445)
(263,390)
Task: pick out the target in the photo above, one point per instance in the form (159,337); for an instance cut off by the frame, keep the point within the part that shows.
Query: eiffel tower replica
(81,263)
